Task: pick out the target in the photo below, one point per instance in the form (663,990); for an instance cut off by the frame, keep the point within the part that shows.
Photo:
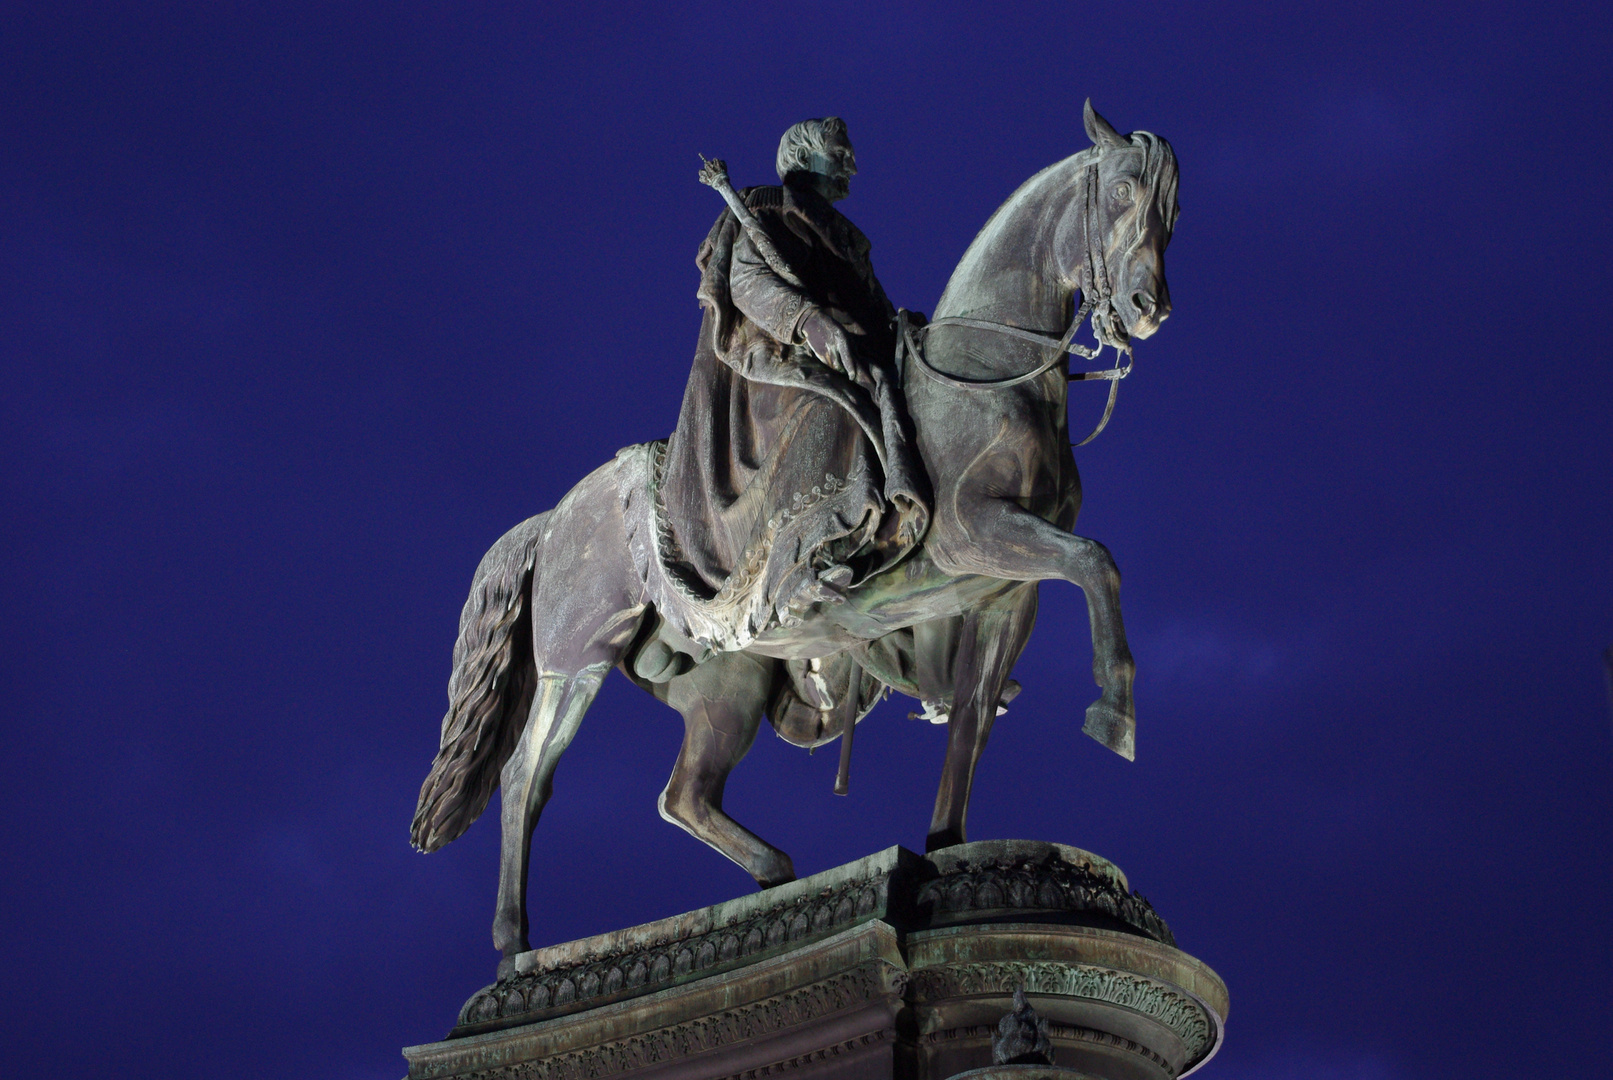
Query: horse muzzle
(1142,309)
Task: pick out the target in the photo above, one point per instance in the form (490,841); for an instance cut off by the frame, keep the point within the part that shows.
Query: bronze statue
(780,556)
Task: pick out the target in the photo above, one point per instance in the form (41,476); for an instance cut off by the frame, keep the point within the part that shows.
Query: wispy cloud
(1198,651)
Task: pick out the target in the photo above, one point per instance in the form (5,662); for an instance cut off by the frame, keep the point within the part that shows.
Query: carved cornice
(1049,883)
(530,996)
(965,891)
(968,919)
(1165,1004)
(1066,1032)
(867,982)
(779,1068)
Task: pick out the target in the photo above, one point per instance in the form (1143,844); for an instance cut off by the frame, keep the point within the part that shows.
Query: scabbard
(843,777)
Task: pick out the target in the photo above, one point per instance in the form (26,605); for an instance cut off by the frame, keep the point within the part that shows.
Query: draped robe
(785,483)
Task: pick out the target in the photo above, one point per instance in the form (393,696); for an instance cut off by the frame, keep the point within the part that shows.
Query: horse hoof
(1114,727)
(945,838)
(506,967)
(778,872)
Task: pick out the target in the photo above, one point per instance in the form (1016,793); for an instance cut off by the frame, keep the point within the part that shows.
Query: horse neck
(1010,273)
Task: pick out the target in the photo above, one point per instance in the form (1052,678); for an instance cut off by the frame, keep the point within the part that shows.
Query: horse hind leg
(722,702)
(587,608)
(528,782)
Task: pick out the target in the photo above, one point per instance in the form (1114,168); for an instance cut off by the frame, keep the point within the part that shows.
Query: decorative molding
(535,995)
(860,985)
(962,892)
(778,1068)
(1049,883)
(638,999)
(1160,1002)
(1067,1032)
(1071,1033)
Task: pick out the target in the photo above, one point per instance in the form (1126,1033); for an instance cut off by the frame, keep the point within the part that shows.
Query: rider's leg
(722,702)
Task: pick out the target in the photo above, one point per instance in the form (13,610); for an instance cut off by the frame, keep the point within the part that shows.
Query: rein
(1095,290)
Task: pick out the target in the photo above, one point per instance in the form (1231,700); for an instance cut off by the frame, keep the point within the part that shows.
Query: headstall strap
(1096,290)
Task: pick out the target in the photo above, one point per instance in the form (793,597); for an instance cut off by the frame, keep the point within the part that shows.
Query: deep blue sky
(299,310)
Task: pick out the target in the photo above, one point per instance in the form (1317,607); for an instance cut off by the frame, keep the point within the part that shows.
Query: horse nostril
(1143,302)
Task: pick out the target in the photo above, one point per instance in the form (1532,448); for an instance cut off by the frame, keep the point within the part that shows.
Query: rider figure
(792,475)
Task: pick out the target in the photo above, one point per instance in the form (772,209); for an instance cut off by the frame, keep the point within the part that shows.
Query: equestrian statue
(855,500)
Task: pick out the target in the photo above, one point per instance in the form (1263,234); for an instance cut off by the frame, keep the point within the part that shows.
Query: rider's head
(818,154)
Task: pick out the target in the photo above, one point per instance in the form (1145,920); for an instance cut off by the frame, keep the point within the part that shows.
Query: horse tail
(489,692)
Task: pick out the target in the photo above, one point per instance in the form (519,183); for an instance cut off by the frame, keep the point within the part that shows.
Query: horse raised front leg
(722,702)
(985,645)
(1001,539)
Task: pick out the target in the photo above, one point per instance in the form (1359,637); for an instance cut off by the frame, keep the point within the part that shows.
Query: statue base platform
(896,965)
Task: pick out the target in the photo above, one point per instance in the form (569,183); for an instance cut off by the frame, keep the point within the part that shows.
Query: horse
(559,601)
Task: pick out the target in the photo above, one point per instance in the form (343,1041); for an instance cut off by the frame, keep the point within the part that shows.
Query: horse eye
(1123,190)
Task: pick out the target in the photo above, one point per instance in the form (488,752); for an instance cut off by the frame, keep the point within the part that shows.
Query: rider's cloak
(785,483)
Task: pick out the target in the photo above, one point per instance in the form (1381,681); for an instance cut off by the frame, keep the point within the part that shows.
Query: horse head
(1111,245)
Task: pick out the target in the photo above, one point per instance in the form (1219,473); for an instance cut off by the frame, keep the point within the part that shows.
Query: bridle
(1096,290)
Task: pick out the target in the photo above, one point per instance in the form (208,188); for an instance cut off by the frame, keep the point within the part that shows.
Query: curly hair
(796,148)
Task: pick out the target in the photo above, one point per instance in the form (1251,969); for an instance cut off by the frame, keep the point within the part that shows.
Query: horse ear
(1100,131)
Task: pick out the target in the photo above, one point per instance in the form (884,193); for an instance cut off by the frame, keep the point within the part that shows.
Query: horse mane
(1160,177)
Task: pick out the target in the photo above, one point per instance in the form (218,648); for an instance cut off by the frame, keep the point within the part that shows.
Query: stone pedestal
(894,966)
